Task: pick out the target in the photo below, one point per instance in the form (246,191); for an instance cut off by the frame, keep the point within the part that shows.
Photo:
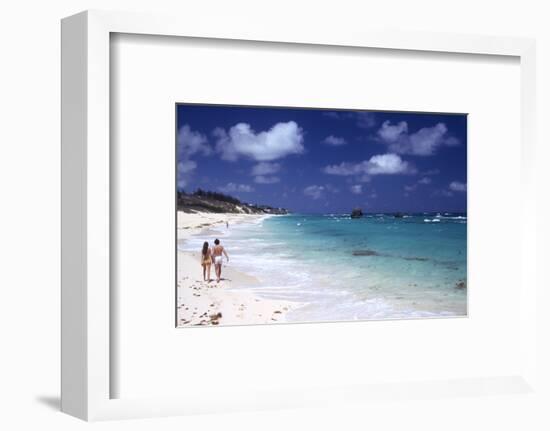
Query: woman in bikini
(206,261)
(217,254)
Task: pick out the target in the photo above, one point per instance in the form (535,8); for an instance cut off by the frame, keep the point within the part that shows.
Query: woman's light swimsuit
(206,260)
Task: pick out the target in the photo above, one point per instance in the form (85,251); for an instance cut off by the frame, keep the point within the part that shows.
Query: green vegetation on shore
(215,202)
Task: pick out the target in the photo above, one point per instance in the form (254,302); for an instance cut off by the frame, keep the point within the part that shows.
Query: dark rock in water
(365,253)
(399,215)
(419,259)
(460,285)
(357,213)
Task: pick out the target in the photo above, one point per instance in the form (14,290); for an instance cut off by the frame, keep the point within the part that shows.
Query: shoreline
(189,224)
(201,303)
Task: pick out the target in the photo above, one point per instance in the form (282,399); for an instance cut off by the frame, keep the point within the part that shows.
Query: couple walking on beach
(214,255)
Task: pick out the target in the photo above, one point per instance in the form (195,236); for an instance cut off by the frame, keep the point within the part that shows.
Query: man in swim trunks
(217,252)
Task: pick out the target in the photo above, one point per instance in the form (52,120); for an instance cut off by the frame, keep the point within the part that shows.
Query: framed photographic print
(221,184)
(328,215)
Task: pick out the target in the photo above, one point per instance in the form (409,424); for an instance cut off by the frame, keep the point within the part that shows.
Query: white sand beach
(225,303)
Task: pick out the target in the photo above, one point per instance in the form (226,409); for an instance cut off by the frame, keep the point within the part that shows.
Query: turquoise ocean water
(375,267)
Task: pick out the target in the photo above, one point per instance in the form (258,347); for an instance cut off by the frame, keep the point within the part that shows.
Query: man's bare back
(217,252)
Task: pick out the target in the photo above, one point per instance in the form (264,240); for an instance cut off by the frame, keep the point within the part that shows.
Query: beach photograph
(305,215)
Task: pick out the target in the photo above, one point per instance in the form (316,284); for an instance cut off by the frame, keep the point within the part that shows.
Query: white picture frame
(86,312)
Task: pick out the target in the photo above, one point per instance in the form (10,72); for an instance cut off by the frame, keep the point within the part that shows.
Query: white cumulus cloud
(445,193)
(236,188)
(187,166)
(381,164)
(314,192)
(425,181)
(334,141)
(387,164)
(185,170)
(263,173)
(356,189)
(365,120)
(266,168)
(266,179)
(241,140)
(333,115)
(457,186)
(422,181)
(190,143)
(423,142)
(391,133)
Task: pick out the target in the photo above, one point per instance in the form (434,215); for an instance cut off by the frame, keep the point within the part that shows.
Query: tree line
(211,195)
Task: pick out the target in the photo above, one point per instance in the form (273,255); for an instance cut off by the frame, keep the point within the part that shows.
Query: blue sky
(322,161)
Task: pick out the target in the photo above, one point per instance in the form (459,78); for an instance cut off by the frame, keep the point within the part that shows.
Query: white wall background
(29,211)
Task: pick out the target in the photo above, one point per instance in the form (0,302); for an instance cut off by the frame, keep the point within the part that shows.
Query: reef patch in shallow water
(365,253)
